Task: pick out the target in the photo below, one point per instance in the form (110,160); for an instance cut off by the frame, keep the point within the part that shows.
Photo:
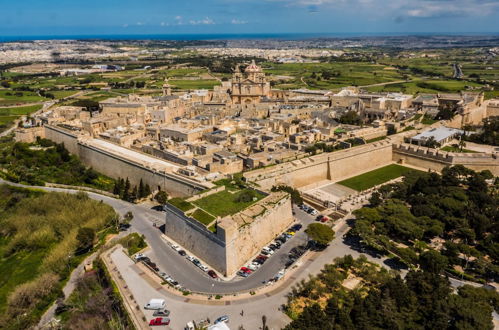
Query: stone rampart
(436,160)
(334,166)
(234,243)
(116,166)
(194,236)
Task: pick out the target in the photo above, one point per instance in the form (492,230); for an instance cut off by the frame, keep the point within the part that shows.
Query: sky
(124,17)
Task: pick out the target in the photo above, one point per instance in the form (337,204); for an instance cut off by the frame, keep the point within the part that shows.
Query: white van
(155,304)
(189,326)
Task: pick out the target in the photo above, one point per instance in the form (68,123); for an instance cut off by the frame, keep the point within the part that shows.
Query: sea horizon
(235,36)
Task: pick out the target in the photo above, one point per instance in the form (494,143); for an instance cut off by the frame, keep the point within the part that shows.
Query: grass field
(224,203)
(195,84)
(202,217)
(9,115)
(342,74)
(8,97)
(181,204)
(376,177)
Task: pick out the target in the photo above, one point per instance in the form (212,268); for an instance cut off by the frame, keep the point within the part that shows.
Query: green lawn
(181,204)
(376,177)
(18,111)
(224,203)
(202,217)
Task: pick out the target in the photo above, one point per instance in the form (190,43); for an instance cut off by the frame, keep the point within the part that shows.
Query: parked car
(155,304)
(203,268)
(138,256)
(176,247)
(160,321)
(258,261)
(212,274)
(274,246)
(196,262)
(251,267)
(264,257)
(242,274)
(161,312)
(223,318)
(324,219)
(297,227)
(182,253)
(278,244)
(190,258)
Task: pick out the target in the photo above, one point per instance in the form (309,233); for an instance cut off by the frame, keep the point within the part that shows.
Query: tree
(161,197)
(141,191)
(245,196)
(375,199)
(128,217)
(433,262)
(320,233)
(85,238)
(147,190)
(126,190)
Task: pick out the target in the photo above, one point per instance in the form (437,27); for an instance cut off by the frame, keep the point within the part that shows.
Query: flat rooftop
(132,155)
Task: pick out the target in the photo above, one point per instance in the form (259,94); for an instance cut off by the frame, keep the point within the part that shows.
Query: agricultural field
(194,84)
(9,97)
(330,75)
(425,86)
(9,115)
(376,177)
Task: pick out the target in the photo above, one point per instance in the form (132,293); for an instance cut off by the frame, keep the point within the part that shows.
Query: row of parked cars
(195,261)
(308,209)
(160,312)
(146,260)
(268,251)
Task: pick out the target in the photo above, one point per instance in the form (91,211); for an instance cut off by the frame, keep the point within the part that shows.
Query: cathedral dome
(253,67)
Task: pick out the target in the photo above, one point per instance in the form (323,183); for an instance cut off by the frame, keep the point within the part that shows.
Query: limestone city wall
(436,160)
(231,247)
(334,166)
(194,236)
(118,167)
(60,135)
(252,237)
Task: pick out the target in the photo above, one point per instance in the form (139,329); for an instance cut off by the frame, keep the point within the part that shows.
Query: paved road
(193,279)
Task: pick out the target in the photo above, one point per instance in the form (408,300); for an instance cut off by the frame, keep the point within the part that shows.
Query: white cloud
(409,8)
(204,21)
(237,21)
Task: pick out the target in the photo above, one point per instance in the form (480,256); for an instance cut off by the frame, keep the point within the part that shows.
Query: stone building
(249,87)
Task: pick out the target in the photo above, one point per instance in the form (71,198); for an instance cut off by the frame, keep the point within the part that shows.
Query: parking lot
(192,277)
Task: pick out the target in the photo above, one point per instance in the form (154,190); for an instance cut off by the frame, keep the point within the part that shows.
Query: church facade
(249,87)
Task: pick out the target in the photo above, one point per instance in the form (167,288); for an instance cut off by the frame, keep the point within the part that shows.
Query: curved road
(191,277)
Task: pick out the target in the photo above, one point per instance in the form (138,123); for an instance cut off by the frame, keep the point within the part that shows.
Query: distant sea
(187,37)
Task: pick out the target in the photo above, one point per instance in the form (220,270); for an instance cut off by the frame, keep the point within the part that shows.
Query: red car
(160,321)
(324,219)
(246,270)
(212,274)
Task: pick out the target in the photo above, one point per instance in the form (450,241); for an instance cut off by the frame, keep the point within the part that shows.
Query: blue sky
(73,17)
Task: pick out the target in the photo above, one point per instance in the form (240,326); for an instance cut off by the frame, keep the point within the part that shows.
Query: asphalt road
(194,279)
